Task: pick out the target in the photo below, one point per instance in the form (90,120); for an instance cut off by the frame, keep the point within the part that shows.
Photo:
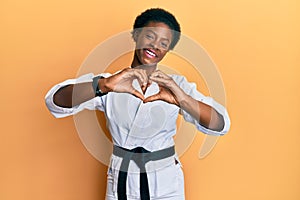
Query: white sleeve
(190,89)
(92,104)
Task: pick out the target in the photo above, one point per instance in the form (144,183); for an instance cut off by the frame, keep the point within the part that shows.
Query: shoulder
(182,80)
(178,78)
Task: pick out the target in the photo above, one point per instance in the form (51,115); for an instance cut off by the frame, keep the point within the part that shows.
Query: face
(152,43)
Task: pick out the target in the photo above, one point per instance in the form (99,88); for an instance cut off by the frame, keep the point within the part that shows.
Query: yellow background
(255,45)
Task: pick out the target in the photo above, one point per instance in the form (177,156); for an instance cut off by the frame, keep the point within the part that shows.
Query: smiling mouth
(150,53)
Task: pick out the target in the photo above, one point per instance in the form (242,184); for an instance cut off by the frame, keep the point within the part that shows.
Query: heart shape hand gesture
(122,82)
(166,84)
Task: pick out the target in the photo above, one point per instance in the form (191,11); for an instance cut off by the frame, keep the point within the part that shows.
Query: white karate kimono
(152,126)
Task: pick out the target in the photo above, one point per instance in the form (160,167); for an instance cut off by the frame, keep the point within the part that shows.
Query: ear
(135,34)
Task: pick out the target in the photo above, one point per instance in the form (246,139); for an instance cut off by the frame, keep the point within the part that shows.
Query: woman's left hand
(166,88)
(170,92)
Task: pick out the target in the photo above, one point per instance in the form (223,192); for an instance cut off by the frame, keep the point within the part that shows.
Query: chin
(147,62)
(150,63)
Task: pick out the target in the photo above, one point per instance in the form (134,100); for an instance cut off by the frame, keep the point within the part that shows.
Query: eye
(165,45)
(151,37)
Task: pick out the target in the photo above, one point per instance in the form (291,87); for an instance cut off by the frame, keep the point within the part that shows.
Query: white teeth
(150,53)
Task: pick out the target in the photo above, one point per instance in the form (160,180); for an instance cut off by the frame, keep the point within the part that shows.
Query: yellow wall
(255,45)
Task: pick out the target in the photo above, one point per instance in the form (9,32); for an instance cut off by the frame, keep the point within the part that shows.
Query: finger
(159,73)
(142,77)
(155,73)
(137,94)
(152,98)
(159,80)
(149,82)
(144,88)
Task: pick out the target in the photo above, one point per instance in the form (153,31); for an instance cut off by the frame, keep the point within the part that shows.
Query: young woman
(141,104)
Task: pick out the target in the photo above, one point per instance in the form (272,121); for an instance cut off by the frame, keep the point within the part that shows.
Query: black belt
(140,156)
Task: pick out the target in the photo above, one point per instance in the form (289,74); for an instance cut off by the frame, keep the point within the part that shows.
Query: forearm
(172,90)
(73,94)
(206,115)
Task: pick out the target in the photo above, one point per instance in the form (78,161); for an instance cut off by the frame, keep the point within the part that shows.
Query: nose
(154,44)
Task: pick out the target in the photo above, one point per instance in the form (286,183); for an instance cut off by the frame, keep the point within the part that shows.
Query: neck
(148,68)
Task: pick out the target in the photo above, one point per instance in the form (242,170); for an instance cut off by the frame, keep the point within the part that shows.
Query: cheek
(163,54)
(141,43)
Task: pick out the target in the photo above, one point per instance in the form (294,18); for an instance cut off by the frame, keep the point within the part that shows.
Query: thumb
(137,94)
(152,98)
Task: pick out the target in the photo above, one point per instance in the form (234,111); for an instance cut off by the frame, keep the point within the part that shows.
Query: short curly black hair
(158,15)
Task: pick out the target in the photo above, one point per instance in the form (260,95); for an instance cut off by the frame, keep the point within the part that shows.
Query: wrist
(97,87)
(179,95)
(103,85)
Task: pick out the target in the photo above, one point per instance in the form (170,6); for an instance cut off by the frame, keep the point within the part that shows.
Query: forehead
(158,28)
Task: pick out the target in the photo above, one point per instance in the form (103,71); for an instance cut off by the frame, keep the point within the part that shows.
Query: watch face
(97,90)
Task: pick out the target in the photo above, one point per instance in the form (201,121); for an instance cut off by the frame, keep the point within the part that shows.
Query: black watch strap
(97,91)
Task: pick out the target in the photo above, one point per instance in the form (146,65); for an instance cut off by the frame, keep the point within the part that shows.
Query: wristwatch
(98,92)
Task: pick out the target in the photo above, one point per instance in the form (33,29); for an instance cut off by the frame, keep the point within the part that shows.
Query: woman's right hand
(122,82)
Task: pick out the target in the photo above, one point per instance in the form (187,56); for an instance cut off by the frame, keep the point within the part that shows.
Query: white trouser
(165,183)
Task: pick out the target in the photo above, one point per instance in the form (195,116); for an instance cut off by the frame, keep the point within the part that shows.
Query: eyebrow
(156,34)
